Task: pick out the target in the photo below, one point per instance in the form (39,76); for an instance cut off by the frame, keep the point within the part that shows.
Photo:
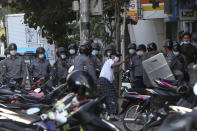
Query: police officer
(136,65)
(172,60)
(40,67)
(143,47)
(72,48)
(132,61)
(61,66)
(168,45)
(83,61)
(179,62)
(7,54)
(14,66)
(95,58)
(109,49)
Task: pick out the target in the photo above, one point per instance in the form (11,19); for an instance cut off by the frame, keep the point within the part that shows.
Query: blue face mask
(131,51)
(63,56)
(176,53)
(95,52)
(116,59)
(186,42)
(13,52)
(140,53)
(72,51)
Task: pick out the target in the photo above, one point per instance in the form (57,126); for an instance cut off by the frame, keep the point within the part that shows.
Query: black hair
(186,33)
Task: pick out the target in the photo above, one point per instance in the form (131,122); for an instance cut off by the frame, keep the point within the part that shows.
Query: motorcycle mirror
(32,111)
(195,89)
(71,69)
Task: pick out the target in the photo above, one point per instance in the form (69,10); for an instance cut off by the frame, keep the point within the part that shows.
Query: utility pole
(123,36)
(84,20)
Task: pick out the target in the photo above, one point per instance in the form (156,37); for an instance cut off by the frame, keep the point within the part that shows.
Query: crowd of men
(86,57)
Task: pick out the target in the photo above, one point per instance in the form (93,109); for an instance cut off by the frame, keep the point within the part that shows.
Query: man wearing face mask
(187,49)
(168,45)
(132,60)
(137,69)
(179,61)
(95,57)
(14,66)
(61,66)
(106,79)
(72,48)
(40,67)
(109,49)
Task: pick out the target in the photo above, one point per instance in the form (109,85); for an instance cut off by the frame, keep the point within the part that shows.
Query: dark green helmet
(110,47)
(95,46)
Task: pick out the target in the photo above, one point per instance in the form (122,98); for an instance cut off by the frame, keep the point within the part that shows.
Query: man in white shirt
(105,81)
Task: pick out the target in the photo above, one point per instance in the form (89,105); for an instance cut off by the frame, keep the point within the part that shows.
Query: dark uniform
(70,61)
(97,64)
(61,69)
(136,71)
(169,58)
(14,69)
(40,69)
(83,62)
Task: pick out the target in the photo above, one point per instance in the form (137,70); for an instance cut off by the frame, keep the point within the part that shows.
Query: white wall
(147,31)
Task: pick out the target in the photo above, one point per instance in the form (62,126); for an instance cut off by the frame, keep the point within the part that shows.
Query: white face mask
(13,52)
(140,53)
(131,51)
(41,56)
(108,54)
(116,59)
(176,53)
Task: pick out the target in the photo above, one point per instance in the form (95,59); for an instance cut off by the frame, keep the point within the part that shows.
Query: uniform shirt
(14,68)
(1,70)
(71,60)
(61,69)
(107,71)
(97,62)
(135,66)
(84,63)
(169,58)
(179,62)
(40,69)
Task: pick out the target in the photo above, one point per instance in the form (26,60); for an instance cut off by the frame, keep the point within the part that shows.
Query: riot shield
(157,67)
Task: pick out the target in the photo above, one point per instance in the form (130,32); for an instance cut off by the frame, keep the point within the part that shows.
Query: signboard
(132,11)
(96,7)
(188,14)
(31,35)
(150,13)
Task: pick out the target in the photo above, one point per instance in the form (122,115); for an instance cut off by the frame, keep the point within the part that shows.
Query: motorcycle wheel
(134,119)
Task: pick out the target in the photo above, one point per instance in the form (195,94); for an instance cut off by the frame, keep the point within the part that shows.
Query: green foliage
(99,23)
(52,16)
